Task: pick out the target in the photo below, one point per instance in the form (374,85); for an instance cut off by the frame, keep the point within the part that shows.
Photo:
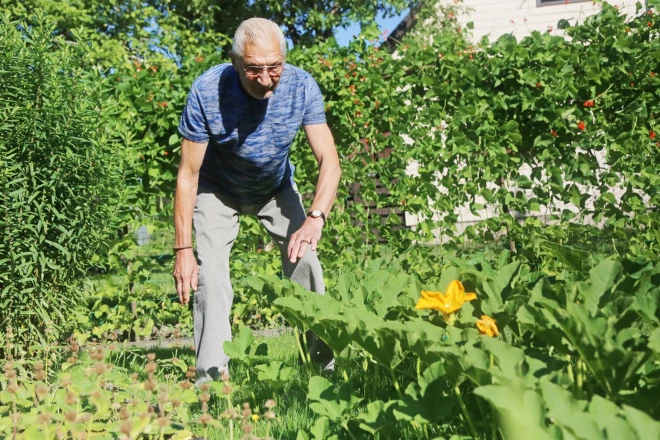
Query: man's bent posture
(238,126)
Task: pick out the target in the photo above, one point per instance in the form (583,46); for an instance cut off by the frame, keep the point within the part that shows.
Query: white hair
(257,31)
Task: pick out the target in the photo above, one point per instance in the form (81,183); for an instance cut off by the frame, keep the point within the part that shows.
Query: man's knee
(308,273)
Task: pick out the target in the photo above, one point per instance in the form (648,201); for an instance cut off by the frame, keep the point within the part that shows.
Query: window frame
(541,3)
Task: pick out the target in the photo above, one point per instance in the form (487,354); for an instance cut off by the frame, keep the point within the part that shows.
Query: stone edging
(188,342)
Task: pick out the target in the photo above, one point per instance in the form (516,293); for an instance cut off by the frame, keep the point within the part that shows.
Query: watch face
(315,213)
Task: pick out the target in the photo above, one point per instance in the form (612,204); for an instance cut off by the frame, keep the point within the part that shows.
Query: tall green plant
(63,176)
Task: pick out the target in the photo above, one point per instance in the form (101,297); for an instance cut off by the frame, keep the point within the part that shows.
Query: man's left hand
(306,237)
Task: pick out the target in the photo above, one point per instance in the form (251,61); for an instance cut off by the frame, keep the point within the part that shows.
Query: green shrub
(63,164)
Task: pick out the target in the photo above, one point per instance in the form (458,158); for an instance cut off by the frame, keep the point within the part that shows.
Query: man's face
(262,85)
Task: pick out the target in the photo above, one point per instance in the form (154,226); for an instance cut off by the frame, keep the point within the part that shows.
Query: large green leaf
(568,412)
(239,347)
(509,359)
(495,287)
(274,374)
(610,420)
(377,416)
(643,424)
(336,406)
(428,401)
(603,278)
(522,412)
(612,358)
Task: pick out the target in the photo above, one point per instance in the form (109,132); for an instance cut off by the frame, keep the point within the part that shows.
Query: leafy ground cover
(485,347)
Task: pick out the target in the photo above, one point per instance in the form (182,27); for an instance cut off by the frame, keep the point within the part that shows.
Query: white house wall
(520,17)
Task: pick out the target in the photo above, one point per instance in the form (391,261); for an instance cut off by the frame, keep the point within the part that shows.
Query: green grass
(292,410)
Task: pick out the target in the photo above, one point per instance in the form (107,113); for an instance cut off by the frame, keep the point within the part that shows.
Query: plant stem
(300,348)
(14,415)
(493,425)
(366,224)
(366,380)
(231,429)
(46,366)
(231,420)
(569,370)
(588,382)
(466,414)
(482,413)
(406,373)
(375,376)
(396,384)
(579,368)
(89,426)
(306,352)
(254,398)
(350,434)
(345,365)
(419,367)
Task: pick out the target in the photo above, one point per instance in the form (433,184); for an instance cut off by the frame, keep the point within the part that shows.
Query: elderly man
(238,125)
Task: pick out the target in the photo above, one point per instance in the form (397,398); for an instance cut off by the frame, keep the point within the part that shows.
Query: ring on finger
(305,241)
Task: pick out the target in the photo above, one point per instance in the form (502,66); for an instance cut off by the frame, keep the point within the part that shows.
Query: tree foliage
(142,25)
(304,21)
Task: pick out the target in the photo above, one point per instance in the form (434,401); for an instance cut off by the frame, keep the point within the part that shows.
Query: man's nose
(264,78)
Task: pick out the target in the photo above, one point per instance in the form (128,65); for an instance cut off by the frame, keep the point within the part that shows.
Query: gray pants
(216,226)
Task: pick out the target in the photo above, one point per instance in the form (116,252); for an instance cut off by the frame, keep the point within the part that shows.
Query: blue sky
(345,35)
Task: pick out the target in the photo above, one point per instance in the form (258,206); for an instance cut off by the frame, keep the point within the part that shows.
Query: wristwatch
(316,213)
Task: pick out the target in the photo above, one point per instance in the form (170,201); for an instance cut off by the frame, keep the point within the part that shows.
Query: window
(540,3)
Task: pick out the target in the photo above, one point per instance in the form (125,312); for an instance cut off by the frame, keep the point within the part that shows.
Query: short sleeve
(193,121)
(314,111)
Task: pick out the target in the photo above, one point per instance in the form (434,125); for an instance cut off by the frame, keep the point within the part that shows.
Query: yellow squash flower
(448,303)
(487,326)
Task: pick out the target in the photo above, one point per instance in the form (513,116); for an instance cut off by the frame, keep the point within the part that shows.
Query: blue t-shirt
(249,140)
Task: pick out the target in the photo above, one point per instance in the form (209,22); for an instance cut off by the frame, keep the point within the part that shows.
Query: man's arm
(185,266)
(323,146)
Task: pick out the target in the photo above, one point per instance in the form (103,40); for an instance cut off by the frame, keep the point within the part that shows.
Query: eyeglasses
(255,71)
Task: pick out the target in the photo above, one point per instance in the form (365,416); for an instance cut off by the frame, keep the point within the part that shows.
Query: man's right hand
(185,274)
